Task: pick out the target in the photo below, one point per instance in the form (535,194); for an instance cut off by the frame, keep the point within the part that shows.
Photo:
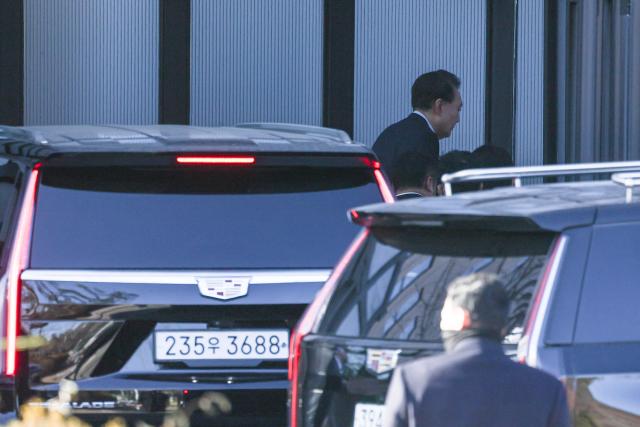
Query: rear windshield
(197,217)
(397,286)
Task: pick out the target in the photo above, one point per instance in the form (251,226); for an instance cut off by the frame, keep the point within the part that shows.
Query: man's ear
(454,318)
(436,107)
(466,319)
(429,185)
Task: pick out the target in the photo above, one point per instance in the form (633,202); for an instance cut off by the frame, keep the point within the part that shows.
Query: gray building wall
(398,40)
(600,92)
(91,61)
(256,60)
(528,147)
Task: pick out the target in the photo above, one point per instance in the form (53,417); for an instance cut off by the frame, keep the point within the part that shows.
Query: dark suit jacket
(407,135)
(474,385)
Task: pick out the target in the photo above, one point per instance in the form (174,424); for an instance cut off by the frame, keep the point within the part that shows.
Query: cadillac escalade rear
(150,281)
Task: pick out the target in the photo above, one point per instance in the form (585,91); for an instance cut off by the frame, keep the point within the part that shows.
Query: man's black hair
(491,156)
(484,296)
(412,169)
(455,161)
(433,85)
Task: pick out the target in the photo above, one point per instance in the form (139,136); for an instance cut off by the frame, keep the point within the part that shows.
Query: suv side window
(610,284)
(9,173)
(397,286)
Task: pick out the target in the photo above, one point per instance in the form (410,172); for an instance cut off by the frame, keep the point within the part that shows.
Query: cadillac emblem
(381,361)
(223,288)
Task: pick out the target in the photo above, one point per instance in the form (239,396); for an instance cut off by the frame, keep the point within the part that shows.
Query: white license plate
(222,345)
(368,415)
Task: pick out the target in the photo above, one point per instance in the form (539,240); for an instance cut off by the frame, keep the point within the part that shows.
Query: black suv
(568,252)
(152,264)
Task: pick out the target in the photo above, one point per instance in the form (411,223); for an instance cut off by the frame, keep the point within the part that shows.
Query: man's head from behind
(416,172)
(477,302)
(491,156)
(436,95)
(455,161)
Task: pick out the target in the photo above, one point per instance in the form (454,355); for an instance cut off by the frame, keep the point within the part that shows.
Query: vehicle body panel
(589,337)
(90,311)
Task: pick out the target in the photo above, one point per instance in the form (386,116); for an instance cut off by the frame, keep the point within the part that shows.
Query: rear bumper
(7,399)
(202,401)
(5,417)
(229,408)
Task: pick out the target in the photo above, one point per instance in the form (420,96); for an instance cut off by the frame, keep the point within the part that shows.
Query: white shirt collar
(413,194)
(425,119)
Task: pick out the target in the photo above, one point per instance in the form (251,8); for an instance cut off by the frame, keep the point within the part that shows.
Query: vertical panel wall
(634,82)
(529,130)
(398,40)
(602,95)
(12,62)
(256,60)
(91,61)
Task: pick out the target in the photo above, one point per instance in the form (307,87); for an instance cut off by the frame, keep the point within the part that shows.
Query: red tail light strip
(387,195)
(17,263)
(217,160)
(308,320)
(533,327)
(371,163)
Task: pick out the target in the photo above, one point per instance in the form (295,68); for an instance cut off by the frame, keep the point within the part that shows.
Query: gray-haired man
(474,383)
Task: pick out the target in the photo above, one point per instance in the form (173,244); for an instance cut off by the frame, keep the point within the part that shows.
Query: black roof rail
(22,134)
(335,135)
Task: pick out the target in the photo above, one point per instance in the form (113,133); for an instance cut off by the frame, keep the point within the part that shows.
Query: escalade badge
(381,361)
(223,287)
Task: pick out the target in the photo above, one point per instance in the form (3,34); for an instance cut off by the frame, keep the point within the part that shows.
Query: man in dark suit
(474,383)
(436,103)
(419,176)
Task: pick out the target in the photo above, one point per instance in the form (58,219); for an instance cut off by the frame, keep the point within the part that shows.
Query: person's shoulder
(418,365)
(535,376)
(413,122)
(399,125)
(391,134)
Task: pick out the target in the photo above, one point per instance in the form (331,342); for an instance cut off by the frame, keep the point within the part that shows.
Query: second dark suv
(150,265)
(568,253)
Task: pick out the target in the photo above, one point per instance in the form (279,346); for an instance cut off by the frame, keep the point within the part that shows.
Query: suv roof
(546,206)
(41,142)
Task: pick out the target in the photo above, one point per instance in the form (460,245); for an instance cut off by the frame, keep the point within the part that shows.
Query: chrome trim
(629,180)
(258,277)
(543,310)
(519,172)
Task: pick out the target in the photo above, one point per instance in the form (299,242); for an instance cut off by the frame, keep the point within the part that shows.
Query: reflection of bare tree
(414,288)
(53,300)
(66,353)
(589,411)
(72,348)
(521,283)
(81,293)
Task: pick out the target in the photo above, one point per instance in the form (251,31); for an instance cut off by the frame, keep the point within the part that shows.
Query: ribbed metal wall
(91,61)
(529,83)
(601,100)
(634,84)
(256,60)
(398,40)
